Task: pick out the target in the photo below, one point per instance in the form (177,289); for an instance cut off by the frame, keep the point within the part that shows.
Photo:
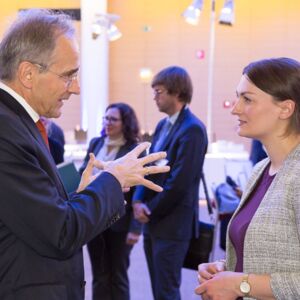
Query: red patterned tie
(43,131)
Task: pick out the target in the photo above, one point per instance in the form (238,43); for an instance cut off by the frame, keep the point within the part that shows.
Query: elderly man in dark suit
(42,230)
(171,217)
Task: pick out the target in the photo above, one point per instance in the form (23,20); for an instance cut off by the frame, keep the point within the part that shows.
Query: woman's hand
(206,271)
(221,286)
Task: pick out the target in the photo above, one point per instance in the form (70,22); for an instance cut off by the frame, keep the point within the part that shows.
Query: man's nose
(74,87)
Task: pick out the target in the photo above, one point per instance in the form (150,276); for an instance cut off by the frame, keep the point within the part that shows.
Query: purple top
(241,221)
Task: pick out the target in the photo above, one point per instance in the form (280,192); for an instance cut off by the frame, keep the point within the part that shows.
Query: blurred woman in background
(109,252)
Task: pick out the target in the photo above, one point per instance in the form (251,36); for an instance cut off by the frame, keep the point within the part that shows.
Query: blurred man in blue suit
(171,217)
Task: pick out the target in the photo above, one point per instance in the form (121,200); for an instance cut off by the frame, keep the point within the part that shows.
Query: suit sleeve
(188,153)
(34,211)
(135,225)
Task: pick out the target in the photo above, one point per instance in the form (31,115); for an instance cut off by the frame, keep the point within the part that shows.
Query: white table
(218,165)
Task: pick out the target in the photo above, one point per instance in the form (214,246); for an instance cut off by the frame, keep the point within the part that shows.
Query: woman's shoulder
(131,144)
(96,140)
(260,166)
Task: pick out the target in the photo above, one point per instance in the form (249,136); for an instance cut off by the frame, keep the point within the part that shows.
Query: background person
(263,249)
(56,144)
(172,217)
(109,251)
(42,230)
(55,132)
(257,152)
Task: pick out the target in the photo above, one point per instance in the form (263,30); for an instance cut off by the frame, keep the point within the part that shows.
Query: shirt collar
(172,119)
(32,113)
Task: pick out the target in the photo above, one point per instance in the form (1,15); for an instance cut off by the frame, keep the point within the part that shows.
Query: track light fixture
(192,13)
(227,13)
(104,24)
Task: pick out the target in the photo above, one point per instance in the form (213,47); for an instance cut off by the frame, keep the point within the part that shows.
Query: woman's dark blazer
(127,223)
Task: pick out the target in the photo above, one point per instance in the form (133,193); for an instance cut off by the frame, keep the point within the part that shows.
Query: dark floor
(139,279)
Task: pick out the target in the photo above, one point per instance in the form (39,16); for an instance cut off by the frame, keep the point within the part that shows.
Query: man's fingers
(156,169)
(86,176)
(140,148)
(153,157)
(146,210)
(142,218)
(98,164)
(152,186)
(90,164)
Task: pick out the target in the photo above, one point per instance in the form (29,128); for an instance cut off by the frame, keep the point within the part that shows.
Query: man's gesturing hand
(130,170)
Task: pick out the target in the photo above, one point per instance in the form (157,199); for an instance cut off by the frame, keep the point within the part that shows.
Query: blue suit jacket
(174,212)
(127,223)
(41,230)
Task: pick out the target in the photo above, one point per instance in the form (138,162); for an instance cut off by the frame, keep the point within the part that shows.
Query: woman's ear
(287,108)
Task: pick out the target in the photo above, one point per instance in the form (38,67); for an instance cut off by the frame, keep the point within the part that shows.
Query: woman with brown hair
(263,245)
(109,252)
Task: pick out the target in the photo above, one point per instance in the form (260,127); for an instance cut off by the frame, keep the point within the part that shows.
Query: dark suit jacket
(41,230)
(174,212)
(127,222)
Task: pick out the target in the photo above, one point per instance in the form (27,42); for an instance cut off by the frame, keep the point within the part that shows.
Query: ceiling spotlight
(113,33)
(104,24)
(192,13)
(227,13)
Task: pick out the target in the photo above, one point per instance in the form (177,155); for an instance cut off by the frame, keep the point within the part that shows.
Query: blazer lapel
(174,128)
(252,185)
(98,146)
(123,150)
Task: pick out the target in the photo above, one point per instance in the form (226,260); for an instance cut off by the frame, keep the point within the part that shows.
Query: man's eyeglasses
(68,79)
(158,92)
(107,119)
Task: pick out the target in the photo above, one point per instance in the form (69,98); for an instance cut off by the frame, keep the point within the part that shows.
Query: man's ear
(287,108)
(25,73)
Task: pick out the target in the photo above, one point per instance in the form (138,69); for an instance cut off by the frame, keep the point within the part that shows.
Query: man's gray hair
(32,37)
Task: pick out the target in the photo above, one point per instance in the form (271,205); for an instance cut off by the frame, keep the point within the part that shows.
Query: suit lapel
(31,126)
(98,146)
(17,109)
(157,134)
(174,128)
